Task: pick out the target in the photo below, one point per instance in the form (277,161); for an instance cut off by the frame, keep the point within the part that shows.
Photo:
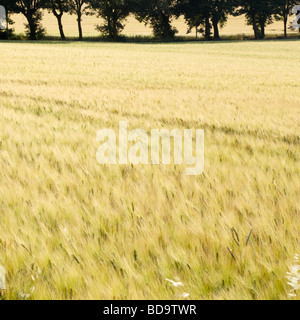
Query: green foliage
(79,7)
(283,10)
(203,14)
(259,14)
(58,8)
(158,13)
(31,9)
(114,13)
(9,7)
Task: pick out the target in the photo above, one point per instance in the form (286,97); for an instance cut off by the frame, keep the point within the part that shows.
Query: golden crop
(73,229)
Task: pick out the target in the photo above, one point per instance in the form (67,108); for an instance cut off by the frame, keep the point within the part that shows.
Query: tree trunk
(216,29)
(7,18)
(166,26)
(79,25)
(262,31)
(109,28)
(60,26)
(115,30)
(207,28)
(32,27)
(285,25)
(256,30)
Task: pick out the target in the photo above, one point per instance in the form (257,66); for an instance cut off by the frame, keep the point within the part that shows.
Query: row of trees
(205,16)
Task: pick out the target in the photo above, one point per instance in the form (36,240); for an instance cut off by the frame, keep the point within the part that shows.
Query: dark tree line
(205,16)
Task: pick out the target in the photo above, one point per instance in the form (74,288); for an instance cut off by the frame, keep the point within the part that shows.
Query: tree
(220,10)
(58,8)
(31,9)
(284,8)
(114,13)
(79,7)
(206,14)
(265,15)
(258,14)
(196,14)
(249,8)
(158,13)
(9,6)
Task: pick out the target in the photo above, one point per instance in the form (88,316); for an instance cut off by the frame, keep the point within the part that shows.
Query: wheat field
(74,229)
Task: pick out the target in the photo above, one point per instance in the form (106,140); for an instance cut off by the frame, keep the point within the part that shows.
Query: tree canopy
(204,16)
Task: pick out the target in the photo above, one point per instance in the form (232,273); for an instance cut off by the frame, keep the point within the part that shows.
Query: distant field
(234,26)
(73,229)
